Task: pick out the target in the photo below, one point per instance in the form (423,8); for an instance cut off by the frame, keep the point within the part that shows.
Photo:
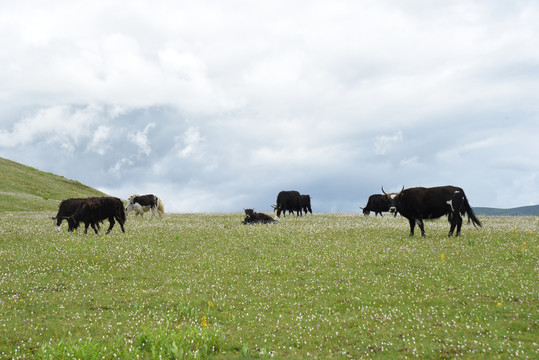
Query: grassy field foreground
(324,286)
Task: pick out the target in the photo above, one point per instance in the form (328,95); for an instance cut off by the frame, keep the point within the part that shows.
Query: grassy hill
(518,211)
(23,188)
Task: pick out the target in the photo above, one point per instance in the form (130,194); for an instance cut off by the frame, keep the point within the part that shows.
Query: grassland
(23,188)
(324,286)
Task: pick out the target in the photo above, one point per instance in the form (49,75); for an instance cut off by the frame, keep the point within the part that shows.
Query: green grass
(23,188)
(324,286)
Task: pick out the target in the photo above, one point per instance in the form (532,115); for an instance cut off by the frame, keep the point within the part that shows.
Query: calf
(252,217)
(67,208)
(92,211)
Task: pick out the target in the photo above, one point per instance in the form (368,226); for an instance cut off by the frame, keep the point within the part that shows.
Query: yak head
(57,221)
(393,200)
(248,213)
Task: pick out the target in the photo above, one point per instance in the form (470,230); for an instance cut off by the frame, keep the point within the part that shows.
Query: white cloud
(63,125)
(189,142)
(385,143)
(140,139)
(116,169)
(304,93)
(99,140)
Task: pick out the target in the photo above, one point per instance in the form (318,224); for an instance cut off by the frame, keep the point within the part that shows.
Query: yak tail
(471,214)
(160,207)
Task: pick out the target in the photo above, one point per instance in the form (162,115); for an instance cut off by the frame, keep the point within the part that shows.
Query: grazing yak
(306,203)
(377,203)
(252,217)
(94,210)
(144,203)
(420,203)
(67,208)
(288,201)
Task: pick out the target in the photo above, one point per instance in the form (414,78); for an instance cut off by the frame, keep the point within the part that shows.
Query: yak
(67,208)
(288,200)
(377,203)
(419,203)
(306,203)
(252,217)
(143,203)
(94,210)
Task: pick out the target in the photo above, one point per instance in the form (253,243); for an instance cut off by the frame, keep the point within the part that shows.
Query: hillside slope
(518,211)
(23,188)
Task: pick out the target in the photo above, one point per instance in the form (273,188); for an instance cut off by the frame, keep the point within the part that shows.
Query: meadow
(202,286)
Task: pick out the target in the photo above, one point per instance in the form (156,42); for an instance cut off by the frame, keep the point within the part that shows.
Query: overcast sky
(218,105)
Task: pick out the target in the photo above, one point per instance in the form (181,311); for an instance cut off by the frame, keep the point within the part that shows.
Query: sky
(216,106)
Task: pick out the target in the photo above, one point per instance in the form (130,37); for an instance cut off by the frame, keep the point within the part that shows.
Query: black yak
(252,217)
(288,200)
(377,203)
(94,210)
(67,208)
(420,203)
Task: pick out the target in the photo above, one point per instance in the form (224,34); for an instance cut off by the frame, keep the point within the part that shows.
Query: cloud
(385,143)
(188,142)
(227,105)
(118,167)
(99,140)
(63,125)
(140,139)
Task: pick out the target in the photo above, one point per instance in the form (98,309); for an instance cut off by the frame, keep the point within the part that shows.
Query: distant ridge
(518,211)
(23,188)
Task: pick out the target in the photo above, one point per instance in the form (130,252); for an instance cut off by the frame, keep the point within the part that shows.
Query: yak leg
(454,218)
(455,204)
(120,221)
(111,221)
(421,226)
(95,229)
(412,226)
(458,219)
(86,224)
(459,206)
